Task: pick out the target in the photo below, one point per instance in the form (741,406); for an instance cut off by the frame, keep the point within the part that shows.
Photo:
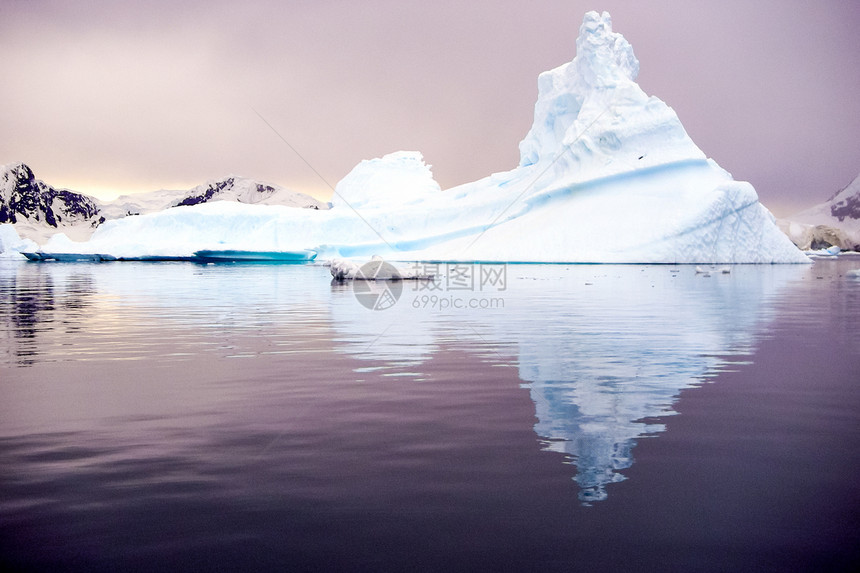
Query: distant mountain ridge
(846,203)
(38,210)
(834,222)
(231,188)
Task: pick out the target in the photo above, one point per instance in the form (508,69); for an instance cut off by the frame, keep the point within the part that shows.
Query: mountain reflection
(26,301)
(602,349)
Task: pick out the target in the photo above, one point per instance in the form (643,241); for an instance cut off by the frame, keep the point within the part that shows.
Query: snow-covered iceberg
(11,245)
(607,174)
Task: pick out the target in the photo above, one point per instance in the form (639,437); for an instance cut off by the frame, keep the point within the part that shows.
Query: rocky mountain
(38,210)
(25,199)
(834,222)
(845,205)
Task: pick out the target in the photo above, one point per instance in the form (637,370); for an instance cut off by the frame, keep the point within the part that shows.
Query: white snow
(607,174)
(11,245)
(397,179)
(230,188)
(819,222)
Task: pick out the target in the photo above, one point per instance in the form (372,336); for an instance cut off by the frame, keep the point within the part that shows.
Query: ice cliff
(607,174)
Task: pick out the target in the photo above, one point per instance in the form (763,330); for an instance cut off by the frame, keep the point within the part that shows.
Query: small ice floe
(343,269)
(853,273)
(376,269)
(828,252)
(706,272)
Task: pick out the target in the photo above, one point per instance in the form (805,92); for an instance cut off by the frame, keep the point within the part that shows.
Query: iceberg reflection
(603,349)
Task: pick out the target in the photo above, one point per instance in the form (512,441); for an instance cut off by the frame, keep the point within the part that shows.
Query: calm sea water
(257,417)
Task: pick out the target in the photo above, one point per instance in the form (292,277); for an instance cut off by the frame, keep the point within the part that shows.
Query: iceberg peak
(592,118)
(603,57)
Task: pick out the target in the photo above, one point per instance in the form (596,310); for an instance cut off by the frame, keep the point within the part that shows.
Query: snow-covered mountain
(232,188)
(606,174)
(38,210)
(845,205)
(834,222)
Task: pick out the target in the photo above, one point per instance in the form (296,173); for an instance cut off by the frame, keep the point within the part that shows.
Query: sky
(107,97)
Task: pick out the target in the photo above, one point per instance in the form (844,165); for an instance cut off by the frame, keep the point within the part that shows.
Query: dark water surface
(256,417)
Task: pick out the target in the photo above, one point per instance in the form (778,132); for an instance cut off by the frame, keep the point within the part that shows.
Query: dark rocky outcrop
(212,190)
(37,207)
(23,197)
(847,208)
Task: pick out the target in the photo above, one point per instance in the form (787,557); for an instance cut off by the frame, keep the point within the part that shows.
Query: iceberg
(12,245)
(607,174)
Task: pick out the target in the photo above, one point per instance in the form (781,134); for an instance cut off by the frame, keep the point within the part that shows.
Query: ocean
(176,416)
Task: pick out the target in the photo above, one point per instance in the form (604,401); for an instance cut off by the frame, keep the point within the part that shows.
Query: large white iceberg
(607,174)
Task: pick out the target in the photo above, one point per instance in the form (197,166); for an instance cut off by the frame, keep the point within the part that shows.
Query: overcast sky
(107,98)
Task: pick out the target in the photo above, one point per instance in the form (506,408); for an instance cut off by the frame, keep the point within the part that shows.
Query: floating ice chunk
(377,269)
(342,269)
(831,251)
(12,245)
